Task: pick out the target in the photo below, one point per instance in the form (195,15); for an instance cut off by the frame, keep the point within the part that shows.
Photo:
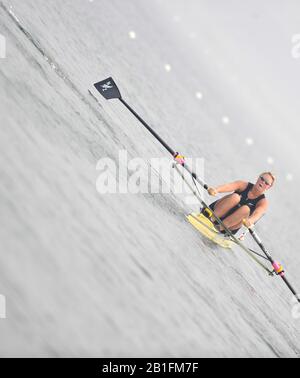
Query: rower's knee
(245,210)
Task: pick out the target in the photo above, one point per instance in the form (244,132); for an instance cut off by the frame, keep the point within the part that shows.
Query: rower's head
(265,181)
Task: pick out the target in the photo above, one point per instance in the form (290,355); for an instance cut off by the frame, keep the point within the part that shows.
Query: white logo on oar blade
(106,86)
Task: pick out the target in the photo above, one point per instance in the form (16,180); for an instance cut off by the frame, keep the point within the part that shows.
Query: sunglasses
(265,181)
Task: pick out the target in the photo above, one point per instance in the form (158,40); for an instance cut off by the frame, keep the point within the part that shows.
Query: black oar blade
(108,88)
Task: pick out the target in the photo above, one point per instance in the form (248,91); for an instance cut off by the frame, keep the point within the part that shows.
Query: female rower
(245,206)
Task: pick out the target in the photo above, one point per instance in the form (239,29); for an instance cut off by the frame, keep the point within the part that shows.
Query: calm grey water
(95,275)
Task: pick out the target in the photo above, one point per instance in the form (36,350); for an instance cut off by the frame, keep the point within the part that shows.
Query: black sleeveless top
(251,203)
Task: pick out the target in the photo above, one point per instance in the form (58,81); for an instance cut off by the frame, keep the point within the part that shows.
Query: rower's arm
(232,187)
(260,210)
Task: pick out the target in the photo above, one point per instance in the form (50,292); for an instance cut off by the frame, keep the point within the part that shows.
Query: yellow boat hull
(207,229)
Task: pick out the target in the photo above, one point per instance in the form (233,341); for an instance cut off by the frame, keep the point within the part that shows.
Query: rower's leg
(235,220)
(226,203)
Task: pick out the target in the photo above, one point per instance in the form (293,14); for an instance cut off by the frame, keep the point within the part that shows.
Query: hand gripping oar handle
(277,267)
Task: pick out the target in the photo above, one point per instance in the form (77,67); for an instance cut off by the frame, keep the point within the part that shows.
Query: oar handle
(260,244)
(202,183)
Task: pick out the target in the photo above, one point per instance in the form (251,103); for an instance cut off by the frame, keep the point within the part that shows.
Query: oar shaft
(205,186)
(260,244)
(274,264)
(167,147)
(291,288)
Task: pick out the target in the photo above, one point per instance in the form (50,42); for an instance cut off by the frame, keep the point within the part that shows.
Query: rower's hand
(247,223)
(212,191)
